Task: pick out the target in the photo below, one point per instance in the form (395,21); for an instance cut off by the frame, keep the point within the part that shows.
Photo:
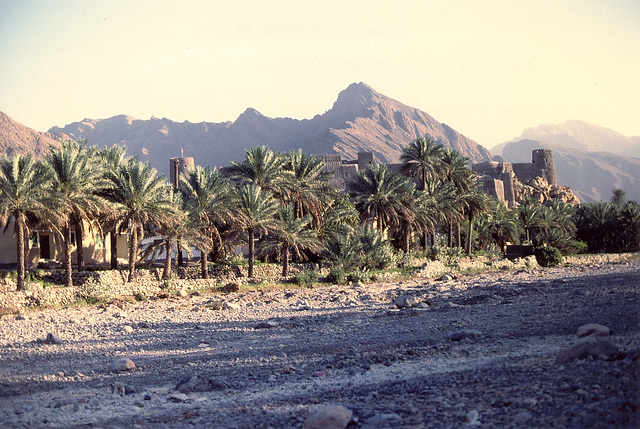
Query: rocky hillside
(361,119)
(582,136)
(16,138)
(591,175)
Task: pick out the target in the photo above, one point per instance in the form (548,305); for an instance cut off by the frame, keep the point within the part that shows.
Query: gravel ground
(478,351)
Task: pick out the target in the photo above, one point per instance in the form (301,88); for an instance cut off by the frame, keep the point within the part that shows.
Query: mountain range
(591,160)
(361,119)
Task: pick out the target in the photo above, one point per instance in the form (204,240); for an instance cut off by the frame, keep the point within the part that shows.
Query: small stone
(464,334)
(182,293)
(472,417)
(522,417)
(123,364)
(266,325)
(447,278)
(230,305)
(121,315)
(328,417)
(52,339)
(127,329)
(178,397)
(379,421)
(593,329)
(407,301)
(20,317)
(200,383)
(595,347)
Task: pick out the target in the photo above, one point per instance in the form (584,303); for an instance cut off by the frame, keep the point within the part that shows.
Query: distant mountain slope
(580,135)
(591,175)
(16,138)
(361,119)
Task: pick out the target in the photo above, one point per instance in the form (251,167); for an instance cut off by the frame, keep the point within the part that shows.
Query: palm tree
(263,168)
(382,196)
(441,204)
(256,209)
(292,237)
(207,196)
(75,188)
(422,159)
(309,189)
(529,217)
(618,196)
(140,197)
(109,160)
(179,225)
(476,203)
(22,191)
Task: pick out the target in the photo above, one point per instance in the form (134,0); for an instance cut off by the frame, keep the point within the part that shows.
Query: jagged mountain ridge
(361,119)
(17,138)
(591,175)
(580,135)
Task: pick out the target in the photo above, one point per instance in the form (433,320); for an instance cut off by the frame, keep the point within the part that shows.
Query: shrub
(548,256)
(337,276)
(305,278)
(359,275)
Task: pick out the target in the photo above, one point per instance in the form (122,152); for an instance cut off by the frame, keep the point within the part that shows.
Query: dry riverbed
(479,350)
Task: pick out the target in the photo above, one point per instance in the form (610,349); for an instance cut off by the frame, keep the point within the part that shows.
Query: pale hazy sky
(488,69)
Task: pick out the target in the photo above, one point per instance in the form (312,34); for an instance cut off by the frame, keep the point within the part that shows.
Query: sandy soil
(478,351)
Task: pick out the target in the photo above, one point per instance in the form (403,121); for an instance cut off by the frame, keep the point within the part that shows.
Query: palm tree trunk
(68,267)
(406,237)
(166,272)
(449,234)
(251,251)
(133,250)
(470,236)
(79,245)
(458,239)
(204,270)
(433,238)
(179,251)
(285,261)
(114,248)
(20,253)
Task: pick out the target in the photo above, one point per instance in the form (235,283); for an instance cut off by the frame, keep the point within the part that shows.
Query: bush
(337,276)
(359,275)
(548,256)
(305,278)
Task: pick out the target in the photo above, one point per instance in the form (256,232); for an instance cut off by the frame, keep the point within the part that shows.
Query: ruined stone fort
(496,178)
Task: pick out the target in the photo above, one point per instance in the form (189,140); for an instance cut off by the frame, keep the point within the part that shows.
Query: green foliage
(548,256)
(360,275)
(94,292)
(337,276)
(305,278)
(140,297)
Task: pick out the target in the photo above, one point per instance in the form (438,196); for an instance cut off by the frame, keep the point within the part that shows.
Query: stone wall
(47,287)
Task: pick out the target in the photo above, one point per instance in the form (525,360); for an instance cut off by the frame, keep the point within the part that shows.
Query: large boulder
(595,347)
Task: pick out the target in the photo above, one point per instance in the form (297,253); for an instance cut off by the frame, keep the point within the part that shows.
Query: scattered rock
(472,418)
(178,397)
(407,301)
(463,334)
(182,293)
(593,329)
(328,417)
(266,325)
(127,329)
(200,383)
(379,421)
(230,305)
(446,278)
(231,287)
(123,364)
(595,347)
(52,339)
(20,317)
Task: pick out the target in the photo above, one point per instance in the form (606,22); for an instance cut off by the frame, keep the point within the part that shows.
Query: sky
(487,68)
